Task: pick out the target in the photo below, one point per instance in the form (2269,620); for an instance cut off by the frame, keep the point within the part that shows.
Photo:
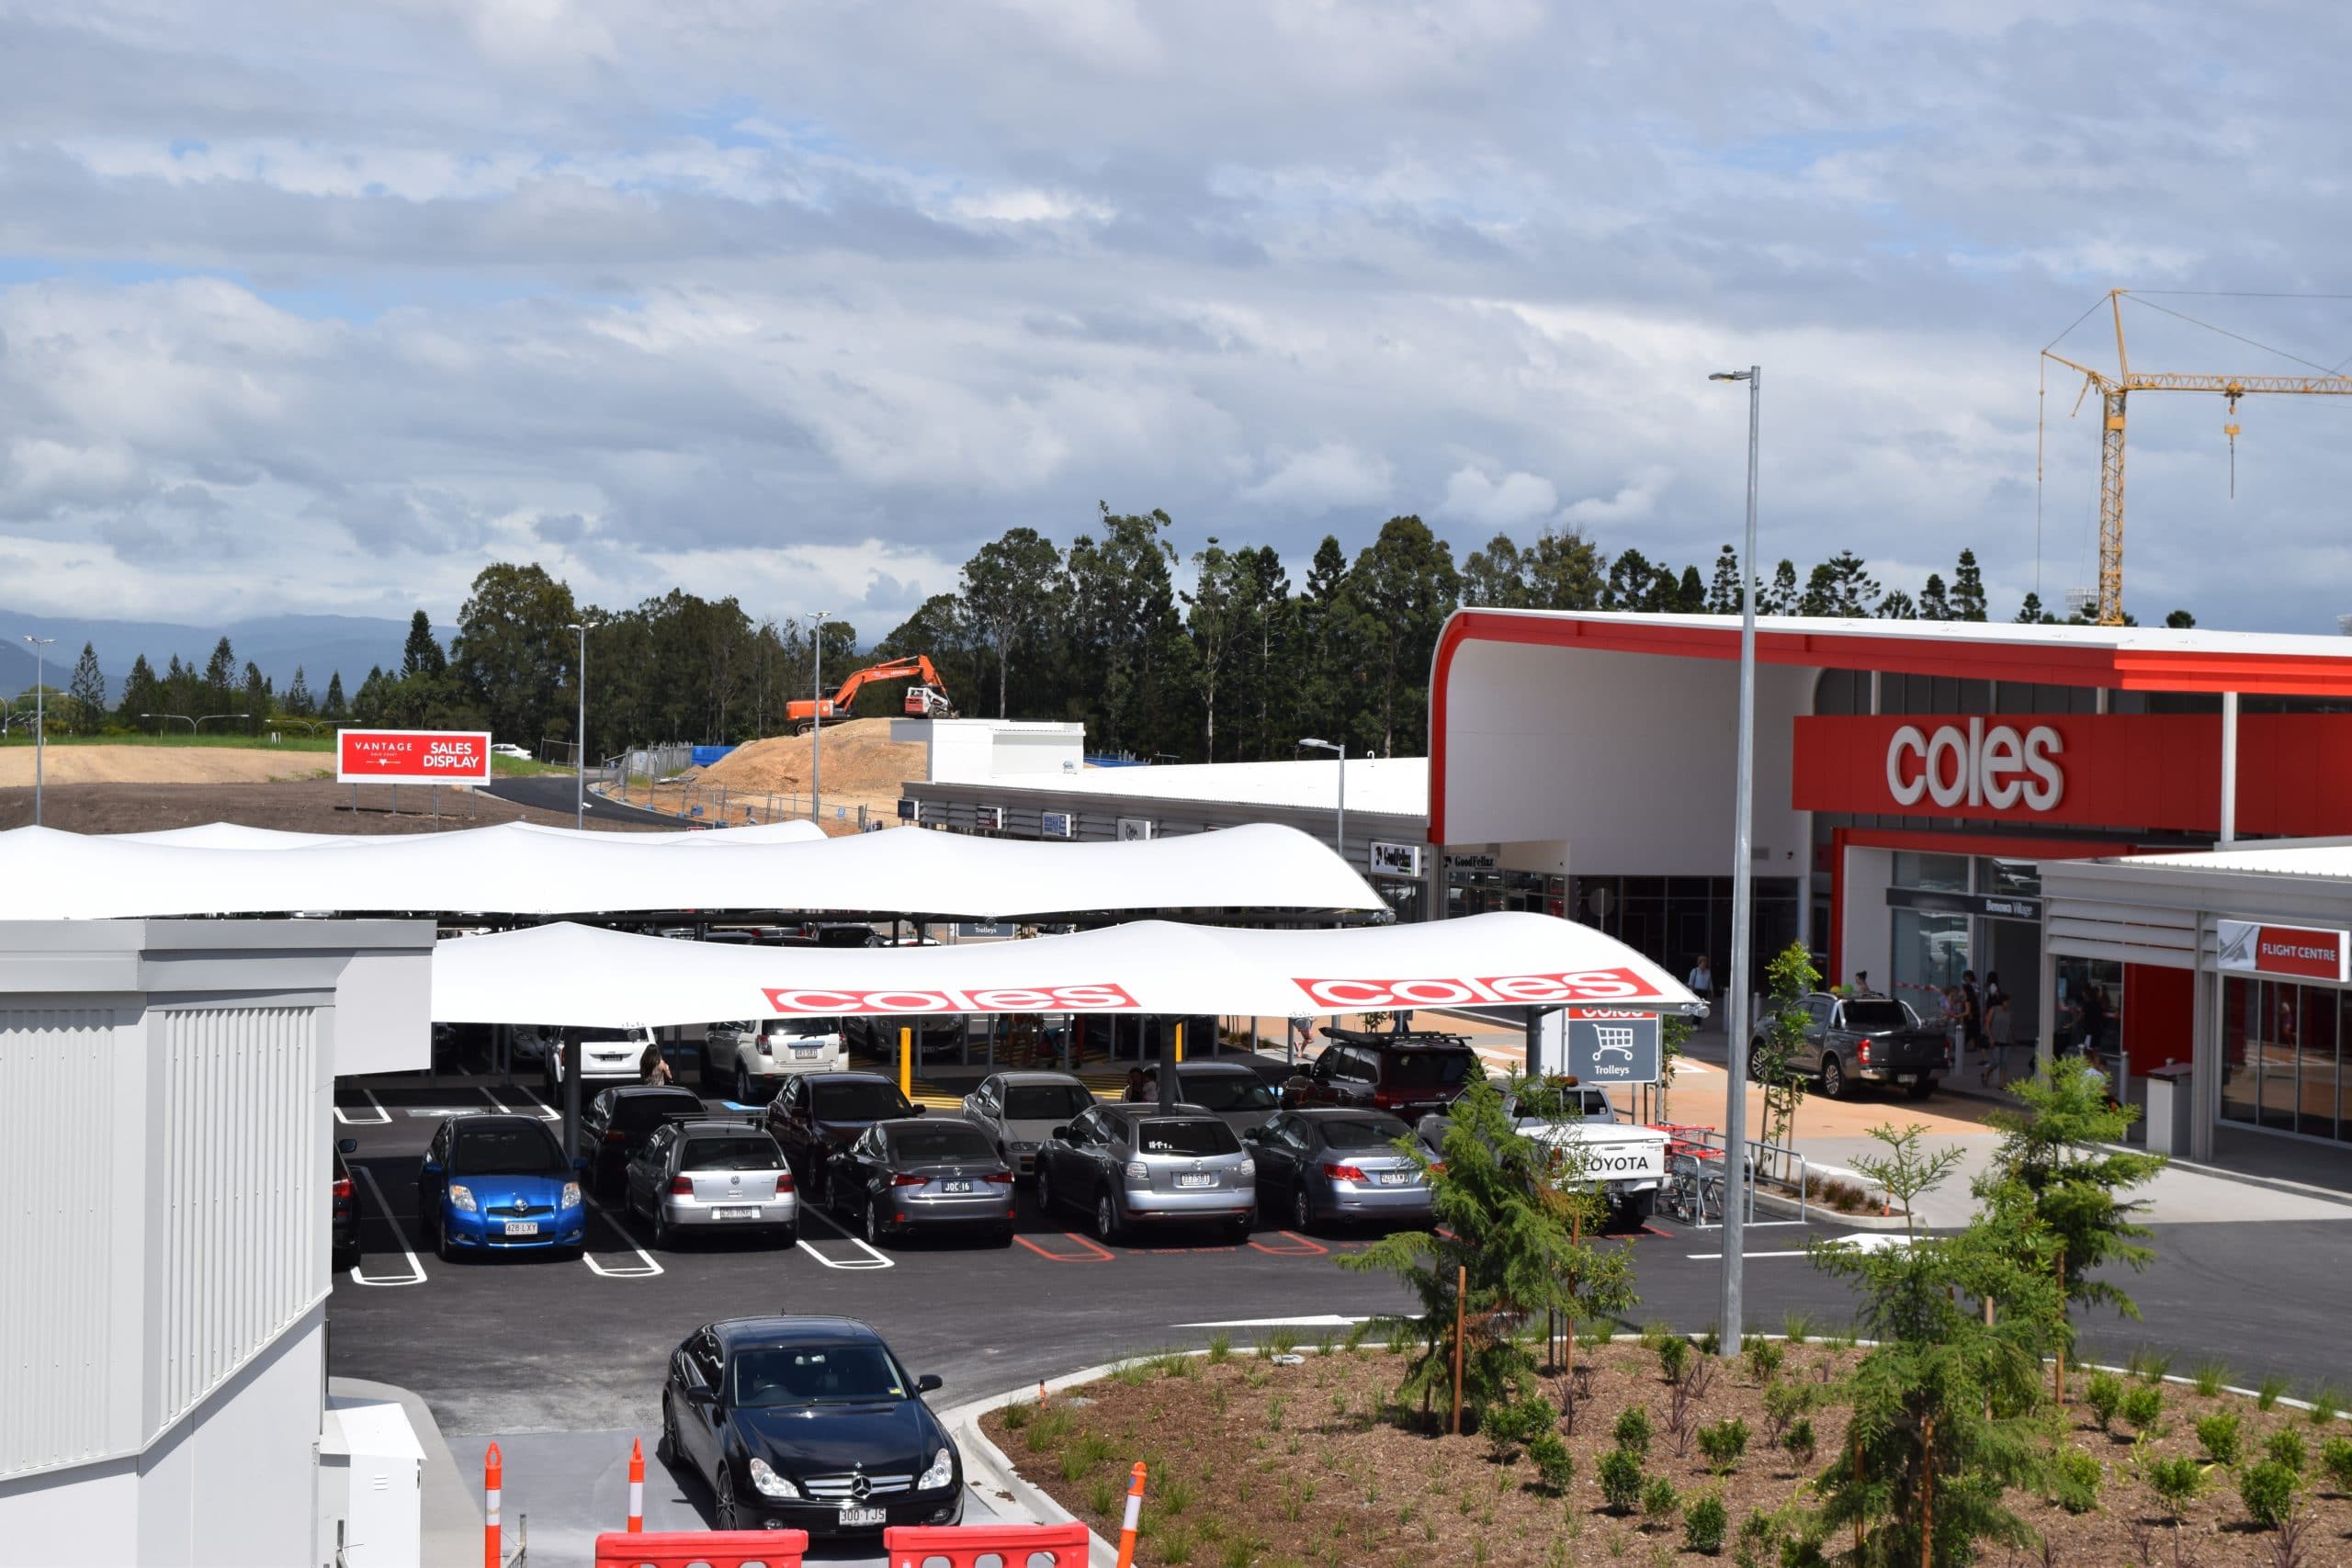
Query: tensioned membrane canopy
(513,870)
(577,975)
(231,836)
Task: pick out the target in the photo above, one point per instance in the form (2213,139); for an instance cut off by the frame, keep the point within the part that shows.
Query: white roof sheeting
(2333,860)
(571,975)
(1399,786)
(517,869)
(2120,639)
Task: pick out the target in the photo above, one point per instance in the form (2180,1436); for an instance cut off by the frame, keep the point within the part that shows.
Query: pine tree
(1690,594)
(1967,588)
(1897,606)
(140,692)
(220,678)
(421,655)
(1933,604)
(1723,593)
(2032,614)
(257,699)
(298,697)
(1841,586)
(1780,597)
(335,705)
(1632,582)
(88,691)
(2180,621)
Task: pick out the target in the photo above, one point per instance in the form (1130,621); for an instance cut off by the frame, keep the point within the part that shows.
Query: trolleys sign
(412,756)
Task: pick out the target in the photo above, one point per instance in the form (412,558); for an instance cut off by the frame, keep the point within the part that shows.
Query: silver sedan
(704,1177)
(1021,1109)
(1336,1164)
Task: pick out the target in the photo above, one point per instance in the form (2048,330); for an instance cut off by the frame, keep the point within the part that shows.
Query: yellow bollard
(1180,1044)
(907,1063)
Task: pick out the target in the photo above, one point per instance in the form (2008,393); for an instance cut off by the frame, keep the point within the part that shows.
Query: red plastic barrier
(964,1546)
(687,1548)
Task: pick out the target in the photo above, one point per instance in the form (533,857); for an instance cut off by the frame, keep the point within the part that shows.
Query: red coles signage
(2151,770)
(1589,984)
(825,1001)
(412,756)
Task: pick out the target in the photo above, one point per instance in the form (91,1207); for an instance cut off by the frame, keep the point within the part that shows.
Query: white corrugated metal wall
(62,1188)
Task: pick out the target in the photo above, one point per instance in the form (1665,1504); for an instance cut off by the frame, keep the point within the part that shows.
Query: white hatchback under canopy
(574,976)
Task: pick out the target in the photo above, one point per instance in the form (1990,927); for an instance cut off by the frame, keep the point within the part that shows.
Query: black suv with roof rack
(1408,1075)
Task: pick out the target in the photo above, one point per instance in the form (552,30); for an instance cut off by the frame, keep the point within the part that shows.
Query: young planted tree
(1771,1054)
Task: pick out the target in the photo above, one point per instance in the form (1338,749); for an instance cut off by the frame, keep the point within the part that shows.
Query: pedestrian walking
(2000,1029)
(654,1066)
(1701,982)
(1971,1016)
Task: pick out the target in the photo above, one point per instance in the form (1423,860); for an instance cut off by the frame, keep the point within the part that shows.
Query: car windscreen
(797,1027)
(1045,1101)
(642,1112)
(921,1145)
(862,1101)
(1364,1135)
(1429,1069)
(1228,1091)
(524,1150)
(1877,1015)
(767,1376)
(1195,1136)
(608,1036)
(732,1153)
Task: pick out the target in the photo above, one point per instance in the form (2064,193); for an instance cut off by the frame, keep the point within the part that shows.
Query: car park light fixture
(768,1483)
(1344,1172)
(941,1471)
(461,1196)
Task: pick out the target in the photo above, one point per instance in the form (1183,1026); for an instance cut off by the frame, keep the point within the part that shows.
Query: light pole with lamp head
(207,719)
(1340,750)
(1728,1330)
(579,735)
(817,717)
(40,717)
(167,717)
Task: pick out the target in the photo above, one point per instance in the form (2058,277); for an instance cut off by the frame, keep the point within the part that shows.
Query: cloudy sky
(312,306)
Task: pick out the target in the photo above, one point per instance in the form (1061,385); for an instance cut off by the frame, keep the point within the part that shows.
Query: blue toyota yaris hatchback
(493,1184)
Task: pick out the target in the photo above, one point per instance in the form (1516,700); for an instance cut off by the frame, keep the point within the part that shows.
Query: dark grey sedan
(1334,1164)
(906,1175)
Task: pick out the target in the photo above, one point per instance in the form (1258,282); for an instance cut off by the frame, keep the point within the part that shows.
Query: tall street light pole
(817,718)
(40,717)
(1736,1023)
(579,735)
(1340,830)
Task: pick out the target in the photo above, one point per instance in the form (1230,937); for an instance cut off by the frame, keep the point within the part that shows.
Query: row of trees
(1218,655)
(217,695)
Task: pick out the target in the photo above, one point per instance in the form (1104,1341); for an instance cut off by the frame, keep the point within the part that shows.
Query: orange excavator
(926,701)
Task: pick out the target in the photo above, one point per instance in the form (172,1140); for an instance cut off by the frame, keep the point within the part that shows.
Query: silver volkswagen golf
(700,1178)
(1129,1165)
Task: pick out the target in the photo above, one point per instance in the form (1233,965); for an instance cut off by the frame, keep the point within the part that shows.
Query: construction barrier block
(703,1549)
(985,1546)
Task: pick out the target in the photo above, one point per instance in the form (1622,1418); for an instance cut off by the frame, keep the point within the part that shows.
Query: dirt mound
(861,761)
(80,764)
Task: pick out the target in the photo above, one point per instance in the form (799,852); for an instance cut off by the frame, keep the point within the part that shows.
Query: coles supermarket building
(1920,787)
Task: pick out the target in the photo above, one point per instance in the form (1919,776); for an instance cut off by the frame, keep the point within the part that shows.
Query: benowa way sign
(412,756)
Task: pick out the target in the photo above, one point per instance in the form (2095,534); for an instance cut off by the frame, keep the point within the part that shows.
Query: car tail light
(764,1048)
(1384,1100)
(342,1190)
(1344,1172)
(904,1179)
(783,1182)
(1866,1052)
(1437,1167)
(1001,1179)
(682,1186)
(615,1135)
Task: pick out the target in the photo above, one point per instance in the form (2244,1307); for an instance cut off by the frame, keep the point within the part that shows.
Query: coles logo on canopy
(412,756)
(828,1001)
(1538,990)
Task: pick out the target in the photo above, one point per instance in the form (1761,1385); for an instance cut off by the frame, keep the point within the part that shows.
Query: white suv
(752,1059)
(607,1056)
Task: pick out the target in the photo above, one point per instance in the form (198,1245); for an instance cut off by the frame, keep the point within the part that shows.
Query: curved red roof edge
(1988,659)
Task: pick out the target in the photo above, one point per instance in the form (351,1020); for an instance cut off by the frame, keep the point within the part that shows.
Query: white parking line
(622,1272)
(872,1260)
(540,1106)
(416,1269)
(383,1118)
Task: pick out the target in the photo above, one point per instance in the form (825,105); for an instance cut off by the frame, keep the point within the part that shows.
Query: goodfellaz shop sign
(412,756)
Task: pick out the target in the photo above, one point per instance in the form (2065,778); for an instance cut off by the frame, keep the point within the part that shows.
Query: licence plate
(1394,1178)
(522,1227)
(955,1187)
(749,1213)
(864,1516)
(1196,1182)
(808,1050)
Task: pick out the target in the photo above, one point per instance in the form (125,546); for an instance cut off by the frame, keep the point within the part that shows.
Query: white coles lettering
(1980,767)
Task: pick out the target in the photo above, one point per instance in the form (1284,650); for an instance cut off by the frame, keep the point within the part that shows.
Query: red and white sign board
(412,756)
(806,1001)
(2292,952)
(2154,770)
(1521,990)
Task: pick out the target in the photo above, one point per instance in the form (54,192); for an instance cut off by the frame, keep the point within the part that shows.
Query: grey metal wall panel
(58,1181)
(238,1189)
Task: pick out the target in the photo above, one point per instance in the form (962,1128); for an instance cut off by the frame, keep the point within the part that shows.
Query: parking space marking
(540,1106)
(1094,1252)
(416,1269)
(872,1260)
(383,1118)
(1306,1248)
(621,1271)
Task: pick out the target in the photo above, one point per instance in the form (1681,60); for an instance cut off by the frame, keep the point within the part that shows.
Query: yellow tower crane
(2113,391)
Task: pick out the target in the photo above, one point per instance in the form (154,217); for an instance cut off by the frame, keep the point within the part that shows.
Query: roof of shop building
(2327,860)
(2154,659)
(1396,786)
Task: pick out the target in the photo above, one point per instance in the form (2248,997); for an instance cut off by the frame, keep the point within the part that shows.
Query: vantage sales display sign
(412,756)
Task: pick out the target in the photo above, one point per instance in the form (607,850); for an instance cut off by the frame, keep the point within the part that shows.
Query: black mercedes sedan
(810,1424)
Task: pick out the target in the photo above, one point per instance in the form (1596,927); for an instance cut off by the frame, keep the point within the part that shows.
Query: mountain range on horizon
(321,645)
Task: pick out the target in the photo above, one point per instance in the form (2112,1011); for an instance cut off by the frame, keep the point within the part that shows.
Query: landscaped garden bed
(1255,1463)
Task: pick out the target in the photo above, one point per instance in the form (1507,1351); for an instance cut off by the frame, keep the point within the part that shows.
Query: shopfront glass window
(2241,1056)
(2316,1067)
(1930,952)
(1940,873)
(2090,1010)
(2017,878)
(2282,1057)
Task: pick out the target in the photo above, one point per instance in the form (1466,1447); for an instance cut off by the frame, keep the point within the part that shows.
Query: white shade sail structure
(231,836)
(581,976)
(534,872)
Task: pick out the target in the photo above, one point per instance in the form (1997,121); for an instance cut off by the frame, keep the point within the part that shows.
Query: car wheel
(663,1237)
(441,1248)
(1302,1210)
(1833,1077)
(724,1509)
(1003,1237)
(1921,1087)
(1045,1191)
(788,1237)
(1106,1216)
(1238,1232)
(820,1186)
(742,1085)
(665,1447)
(874,1222)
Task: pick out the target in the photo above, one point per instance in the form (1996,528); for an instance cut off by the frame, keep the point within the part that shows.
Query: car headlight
(461,1198)
(769,1484)
(941,1473)
(572,1194)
